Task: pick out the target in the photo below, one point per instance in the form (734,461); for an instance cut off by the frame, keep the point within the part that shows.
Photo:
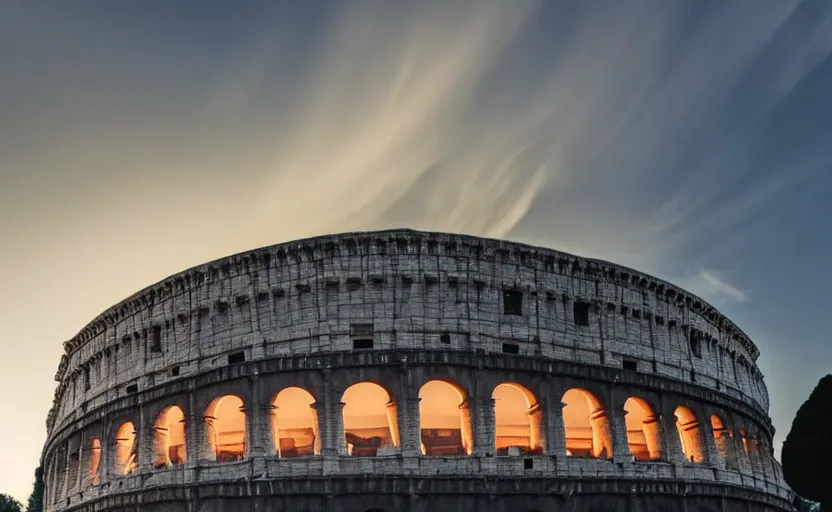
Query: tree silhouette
(807,450)
(9,504)
(36,498)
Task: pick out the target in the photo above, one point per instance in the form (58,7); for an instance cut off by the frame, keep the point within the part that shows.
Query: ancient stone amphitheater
(410,371)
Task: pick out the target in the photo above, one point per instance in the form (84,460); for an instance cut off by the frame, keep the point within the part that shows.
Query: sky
(683,138)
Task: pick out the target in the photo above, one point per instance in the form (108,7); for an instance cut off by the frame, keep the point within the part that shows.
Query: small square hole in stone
(175,371)
(528,463)
(629,364)
(236,358)
(362,344)
(510,348)
(445,338)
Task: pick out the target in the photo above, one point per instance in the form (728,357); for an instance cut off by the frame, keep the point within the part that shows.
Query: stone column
(194,434)
(334,442)
(675,453)
(653,435)
(67,462)
(82,442)
(257,421)
(468,441)
(410,426)
(485,444)
(393,423)
(556,431)
(743,461)
(601,434)
(145,436)
(712,455)
(537,432)
(620,442)
(316,429)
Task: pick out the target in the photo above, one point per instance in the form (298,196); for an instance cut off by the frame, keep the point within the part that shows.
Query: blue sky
(687,139)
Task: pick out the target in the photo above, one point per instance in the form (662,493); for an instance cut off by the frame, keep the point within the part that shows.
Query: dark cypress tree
(807,450)
(36,498)
(9,504)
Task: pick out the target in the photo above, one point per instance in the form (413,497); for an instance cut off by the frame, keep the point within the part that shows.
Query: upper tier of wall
(410,289)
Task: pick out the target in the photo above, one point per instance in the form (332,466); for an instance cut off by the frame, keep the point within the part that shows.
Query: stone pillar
(693,437)
(743,461)
(485,444)
(393,423)
(712,455)
(410,426)
(79,471)
(257,421)
(556,432)
(67,463)
(601,434)
(334,440)
(316,429)
(675,454)
(653,435)
(145,435)
(620,443)
(537,432)
(194,434)
(468,441)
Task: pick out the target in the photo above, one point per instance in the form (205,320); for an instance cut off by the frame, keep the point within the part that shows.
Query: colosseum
(411,371)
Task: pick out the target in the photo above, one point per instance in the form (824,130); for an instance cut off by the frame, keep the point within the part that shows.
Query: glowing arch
(690,434)
(587,428)
(225,429)
(517,420)
(444,420)
(370,420)
(295,424)
(643,430)
(126,449)
(169,438)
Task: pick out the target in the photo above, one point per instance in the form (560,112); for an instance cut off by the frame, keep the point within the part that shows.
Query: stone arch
(644,437)
(93,476)
(169,438)
(690,434)
(723,441)
(126,449)
(752,451)
(445,419)
(518,427)
(586,425)
(225,429)
(294,423)
(370,420)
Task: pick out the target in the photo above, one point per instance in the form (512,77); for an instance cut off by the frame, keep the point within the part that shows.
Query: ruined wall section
(413,290)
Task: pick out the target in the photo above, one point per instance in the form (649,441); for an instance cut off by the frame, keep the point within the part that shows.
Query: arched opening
(93,475)
(369,420)
(752,451)
(690,435)
(643,433)
(294,424)
(444,420)
(723,441)
(225,428)
(126,449)
(517,420)
(586,425)
(169,438)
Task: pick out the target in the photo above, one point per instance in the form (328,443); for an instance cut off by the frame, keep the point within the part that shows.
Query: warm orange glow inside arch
(722,440)
(126,449)
(294,425)
(586,426)
(643,430)
(169,438)
(95,461)
(369,420)
(512,424)
(444,422)
(690,435)
(225,428)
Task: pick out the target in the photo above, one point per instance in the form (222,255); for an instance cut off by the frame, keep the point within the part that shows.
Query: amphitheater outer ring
(369,271)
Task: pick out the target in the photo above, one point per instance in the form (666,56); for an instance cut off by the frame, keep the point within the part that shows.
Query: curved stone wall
(401,309)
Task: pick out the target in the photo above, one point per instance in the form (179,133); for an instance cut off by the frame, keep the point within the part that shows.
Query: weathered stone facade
(437,307)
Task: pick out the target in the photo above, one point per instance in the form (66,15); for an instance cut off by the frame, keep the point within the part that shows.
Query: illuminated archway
(517,420)
(370,427)
(93,474)
(294,424)
(723,441)
(126,449)
(690,434)
(643,432)
(169,438)
(444,420)
(586,425)
(225,428)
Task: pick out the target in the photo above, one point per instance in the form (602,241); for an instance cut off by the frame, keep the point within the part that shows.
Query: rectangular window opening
(132,388)
(695,346)
(581,313)
(511,348)
(174,371)
(445,338)
(513,302)
(236,358)
(156,339)
(362,344)
(629,364)
(528,463)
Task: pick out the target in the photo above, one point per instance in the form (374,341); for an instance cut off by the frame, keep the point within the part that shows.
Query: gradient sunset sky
(687,139)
